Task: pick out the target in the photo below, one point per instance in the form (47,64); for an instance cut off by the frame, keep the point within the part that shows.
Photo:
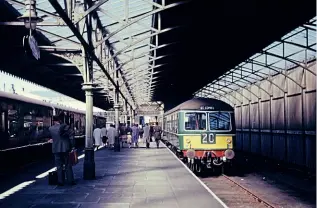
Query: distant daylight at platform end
(157,104)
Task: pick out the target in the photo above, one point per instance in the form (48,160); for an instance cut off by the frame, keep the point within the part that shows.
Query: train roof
(208,104)
(39,102)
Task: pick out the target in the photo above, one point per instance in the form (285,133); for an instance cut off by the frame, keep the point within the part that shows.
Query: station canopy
(295,49)
(125,38)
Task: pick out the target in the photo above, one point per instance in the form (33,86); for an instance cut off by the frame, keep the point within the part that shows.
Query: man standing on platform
(111,134)
(135,134)
(104,135)
(146,135)
(61,135)
(157,134)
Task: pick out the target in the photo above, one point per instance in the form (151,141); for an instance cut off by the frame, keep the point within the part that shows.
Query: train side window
(219,121)
(13,120)
(3,126)
(195,121)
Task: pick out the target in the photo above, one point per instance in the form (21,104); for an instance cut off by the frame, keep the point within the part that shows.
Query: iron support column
(131,116)
(125,120)
(116,111)
(116,142)
(89,162)
(162,117)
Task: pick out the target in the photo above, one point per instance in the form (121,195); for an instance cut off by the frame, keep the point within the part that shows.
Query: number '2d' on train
(23,118)
(201,131)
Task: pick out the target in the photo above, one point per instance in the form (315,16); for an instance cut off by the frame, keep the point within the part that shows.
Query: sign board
(34,47)
(148,113)
(150,109)
(30,44)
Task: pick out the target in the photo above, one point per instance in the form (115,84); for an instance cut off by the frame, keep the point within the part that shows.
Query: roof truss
(119,36)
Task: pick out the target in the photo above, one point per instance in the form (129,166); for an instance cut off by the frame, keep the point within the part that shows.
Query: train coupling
(211,156)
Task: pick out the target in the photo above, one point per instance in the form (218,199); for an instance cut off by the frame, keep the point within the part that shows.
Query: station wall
(280,122)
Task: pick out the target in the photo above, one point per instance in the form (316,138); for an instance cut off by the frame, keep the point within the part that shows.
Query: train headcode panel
(207,108)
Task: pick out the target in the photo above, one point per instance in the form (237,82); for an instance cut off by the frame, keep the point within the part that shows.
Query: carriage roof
(199,103)
(41,103)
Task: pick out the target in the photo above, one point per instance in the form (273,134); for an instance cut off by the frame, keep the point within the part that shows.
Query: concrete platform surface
(131,178)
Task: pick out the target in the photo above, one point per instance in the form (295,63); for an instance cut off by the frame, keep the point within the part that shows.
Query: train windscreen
(195,121)
(219,121)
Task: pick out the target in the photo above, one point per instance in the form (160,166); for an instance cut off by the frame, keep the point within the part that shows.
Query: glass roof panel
(277,49)
(296,53)
(290,49)
(259,58)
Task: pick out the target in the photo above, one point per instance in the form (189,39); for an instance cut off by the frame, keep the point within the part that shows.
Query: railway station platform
(136,177)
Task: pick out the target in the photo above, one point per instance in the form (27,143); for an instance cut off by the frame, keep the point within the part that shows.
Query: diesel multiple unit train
(22,119)
(201,131)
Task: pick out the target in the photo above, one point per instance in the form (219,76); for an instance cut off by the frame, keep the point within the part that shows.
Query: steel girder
(294,50)
(88,48)
(115,39)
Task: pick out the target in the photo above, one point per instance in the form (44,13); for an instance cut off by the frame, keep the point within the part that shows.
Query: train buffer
(141,178)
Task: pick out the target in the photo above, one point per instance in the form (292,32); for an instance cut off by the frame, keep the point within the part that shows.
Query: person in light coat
(97,137)
(104,135)
(135,135)
(146,135)
(111,134)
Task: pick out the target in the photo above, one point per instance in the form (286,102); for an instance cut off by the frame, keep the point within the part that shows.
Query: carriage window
(13,120)
(219,121)
(195,121)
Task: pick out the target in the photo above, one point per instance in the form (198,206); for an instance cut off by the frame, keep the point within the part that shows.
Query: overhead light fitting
(30,17)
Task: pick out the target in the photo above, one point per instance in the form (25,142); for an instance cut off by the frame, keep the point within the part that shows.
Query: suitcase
(73,158)
(52,178)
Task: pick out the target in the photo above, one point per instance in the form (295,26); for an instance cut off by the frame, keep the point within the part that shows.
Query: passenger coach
(201,131)
(23,118)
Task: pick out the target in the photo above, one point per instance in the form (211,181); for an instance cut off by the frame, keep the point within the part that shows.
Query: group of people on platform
(62,139)
(132,135)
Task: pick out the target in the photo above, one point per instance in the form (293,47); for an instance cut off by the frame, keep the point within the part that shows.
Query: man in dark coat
(157,134)
(62,143)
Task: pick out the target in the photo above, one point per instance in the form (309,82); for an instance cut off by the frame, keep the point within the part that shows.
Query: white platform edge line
(204,185)
(27,183)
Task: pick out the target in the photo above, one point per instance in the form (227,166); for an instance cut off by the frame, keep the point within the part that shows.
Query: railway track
(258,189)
(233,194)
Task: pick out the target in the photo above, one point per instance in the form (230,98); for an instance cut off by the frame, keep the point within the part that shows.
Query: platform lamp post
(131,116)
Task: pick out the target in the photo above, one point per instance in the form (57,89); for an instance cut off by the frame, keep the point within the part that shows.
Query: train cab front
(221,153)
(217,152)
